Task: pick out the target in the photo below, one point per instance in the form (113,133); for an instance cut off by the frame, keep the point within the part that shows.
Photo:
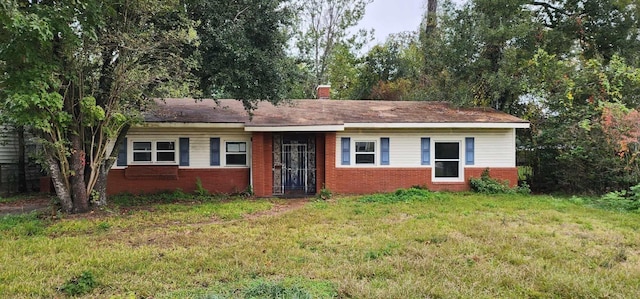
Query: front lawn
(415,246)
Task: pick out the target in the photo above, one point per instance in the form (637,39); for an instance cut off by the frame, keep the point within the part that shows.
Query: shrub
(79,285)
(487,185)
(325,193)
(622,200)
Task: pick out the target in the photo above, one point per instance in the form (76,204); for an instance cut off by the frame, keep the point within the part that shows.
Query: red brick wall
(262,161)
(320,157)
(216,180)
(372,180)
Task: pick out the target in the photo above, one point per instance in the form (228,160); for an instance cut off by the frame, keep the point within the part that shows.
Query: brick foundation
(227,180)
(372,180)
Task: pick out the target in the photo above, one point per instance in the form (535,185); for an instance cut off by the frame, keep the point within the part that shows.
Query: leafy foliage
(404,195)
(622,200)
(200,190)
(78,73)
(263,289)
(487,185)
(325,193)
(241,49)
(567,66)
(79,285)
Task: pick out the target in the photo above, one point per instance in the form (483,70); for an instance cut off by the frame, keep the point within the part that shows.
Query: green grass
(387,246)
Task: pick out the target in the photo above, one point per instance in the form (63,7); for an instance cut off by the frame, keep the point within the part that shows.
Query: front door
(294,169)
(294,158)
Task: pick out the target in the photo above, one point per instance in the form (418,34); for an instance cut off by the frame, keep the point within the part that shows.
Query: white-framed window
(157,151)
(236,153)
(447,161)
(365,152)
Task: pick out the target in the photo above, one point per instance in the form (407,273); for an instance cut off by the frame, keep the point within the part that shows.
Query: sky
(394,16)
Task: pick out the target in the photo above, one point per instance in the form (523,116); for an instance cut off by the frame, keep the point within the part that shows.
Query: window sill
(444,182)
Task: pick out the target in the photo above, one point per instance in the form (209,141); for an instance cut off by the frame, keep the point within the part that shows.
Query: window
(447,160)
(165,151)
(154,151)
(365,152)
(142,151)
(236,153)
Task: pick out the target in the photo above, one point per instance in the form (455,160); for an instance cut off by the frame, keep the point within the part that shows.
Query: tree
(475,54)
(344,73)
(391,71)
(79,73)
(597,28)
(241,49)
(584,138)
(323,25)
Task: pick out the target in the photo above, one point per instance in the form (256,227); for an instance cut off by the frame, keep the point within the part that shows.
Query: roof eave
(441,125)
(231,125)
(287,128)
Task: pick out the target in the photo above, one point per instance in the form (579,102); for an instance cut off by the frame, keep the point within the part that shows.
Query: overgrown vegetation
(487,185)
(79,285)
(22,225)
(623,200)
(200,190)
(405,244)
(325,193)
(405,195)
(176,196)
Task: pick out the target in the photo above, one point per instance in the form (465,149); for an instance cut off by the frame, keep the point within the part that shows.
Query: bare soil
(25,205)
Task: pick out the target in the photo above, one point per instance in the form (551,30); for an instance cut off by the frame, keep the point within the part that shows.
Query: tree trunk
(101,185)
(432,20)
(76,180)
(59,185)
(103,171)
(22,166)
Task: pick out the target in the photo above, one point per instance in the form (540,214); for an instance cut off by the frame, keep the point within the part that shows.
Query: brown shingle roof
(321,112)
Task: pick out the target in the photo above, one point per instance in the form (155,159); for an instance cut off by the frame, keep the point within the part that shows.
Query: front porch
(288,164)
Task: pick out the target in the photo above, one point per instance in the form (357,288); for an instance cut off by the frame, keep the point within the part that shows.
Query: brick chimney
(324,92)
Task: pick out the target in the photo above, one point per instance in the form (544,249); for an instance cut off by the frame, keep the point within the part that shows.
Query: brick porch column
(330,161)
(261,161)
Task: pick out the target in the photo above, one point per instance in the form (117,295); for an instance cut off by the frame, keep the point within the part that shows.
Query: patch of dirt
(279,208)
(25,205)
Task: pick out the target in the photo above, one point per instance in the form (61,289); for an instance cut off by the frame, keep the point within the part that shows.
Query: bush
(79,285)
(325,193)
(623,200)
(487,185)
